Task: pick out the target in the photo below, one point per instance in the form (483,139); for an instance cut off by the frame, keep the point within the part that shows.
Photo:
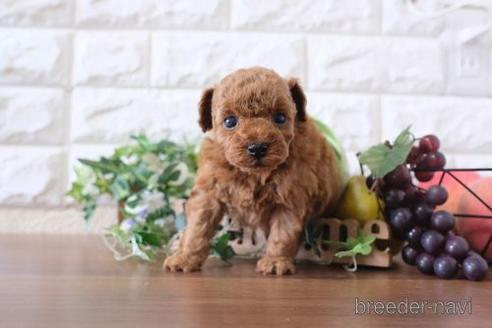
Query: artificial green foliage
(144,179)
(385,157)
(354,246)
(221,248)
(337,147)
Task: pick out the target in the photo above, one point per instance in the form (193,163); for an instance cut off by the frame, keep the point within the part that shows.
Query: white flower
(154,163)
(152,201)
(129,160)
(153,181)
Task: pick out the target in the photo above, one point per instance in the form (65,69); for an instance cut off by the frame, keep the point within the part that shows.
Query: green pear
(358,202)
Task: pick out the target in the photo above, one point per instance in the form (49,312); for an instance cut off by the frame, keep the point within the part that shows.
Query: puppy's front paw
(276,265)
(182,262)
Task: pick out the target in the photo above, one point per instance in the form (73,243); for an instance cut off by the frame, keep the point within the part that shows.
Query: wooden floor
(72,281)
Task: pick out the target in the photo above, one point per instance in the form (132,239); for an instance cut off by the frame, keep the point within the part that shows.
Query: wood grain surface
(72,281)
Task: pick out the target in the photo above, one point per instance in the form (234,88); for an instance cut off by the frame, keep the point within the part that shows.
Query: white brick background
(79,76)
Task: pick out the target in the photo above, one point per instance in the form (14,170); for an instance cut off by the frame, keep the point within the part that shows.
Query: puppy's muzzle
(257,150)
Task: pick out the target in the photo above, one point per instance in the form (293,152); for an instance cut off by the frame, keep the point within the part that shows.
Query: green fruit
(358,202)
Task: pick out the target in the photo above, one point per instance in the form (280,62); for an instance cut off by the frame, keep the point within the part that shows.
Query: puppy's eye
(279,118)
(230,122)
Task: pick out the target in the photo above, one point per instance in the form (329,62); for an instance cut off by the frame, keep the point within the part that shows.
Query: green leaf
(359,245)
(142,174)
(191,159)
(404,138)
(76,191)
(104,165)
(166,146)
(132,201)
(123,151)
(154,238)
(89,208)
(170,173)
(120,188)
(336,145)
(103,185)
(357,249)
(142,141)
(330,136)
(221,248)
(384,158)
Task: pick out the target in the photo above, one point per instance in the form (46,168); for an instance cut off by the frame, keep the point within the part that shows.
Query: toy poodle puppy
(264,163)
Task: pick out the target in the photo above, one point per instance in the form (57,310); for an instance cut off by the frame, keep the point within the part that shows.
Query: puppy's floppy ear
(299,98)
(205,109)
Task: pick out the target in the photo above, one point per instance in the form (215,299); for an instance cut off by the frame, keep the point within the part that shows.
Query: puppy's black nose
(257,150)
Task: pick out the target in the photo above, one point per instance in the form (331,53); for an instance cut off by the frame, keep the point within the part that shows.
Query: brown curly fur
(296,180)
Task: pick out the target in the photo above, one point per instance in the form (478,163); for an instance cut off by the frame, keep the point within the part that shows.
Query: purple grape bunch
(411,212)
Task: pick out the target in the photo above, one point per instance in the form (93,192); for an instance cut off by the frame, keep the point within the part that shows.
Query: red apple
(455,190)
(477,231)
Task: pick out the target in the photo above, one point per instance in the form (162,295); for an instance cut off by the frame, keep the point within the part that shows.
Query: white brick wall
(79,76)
